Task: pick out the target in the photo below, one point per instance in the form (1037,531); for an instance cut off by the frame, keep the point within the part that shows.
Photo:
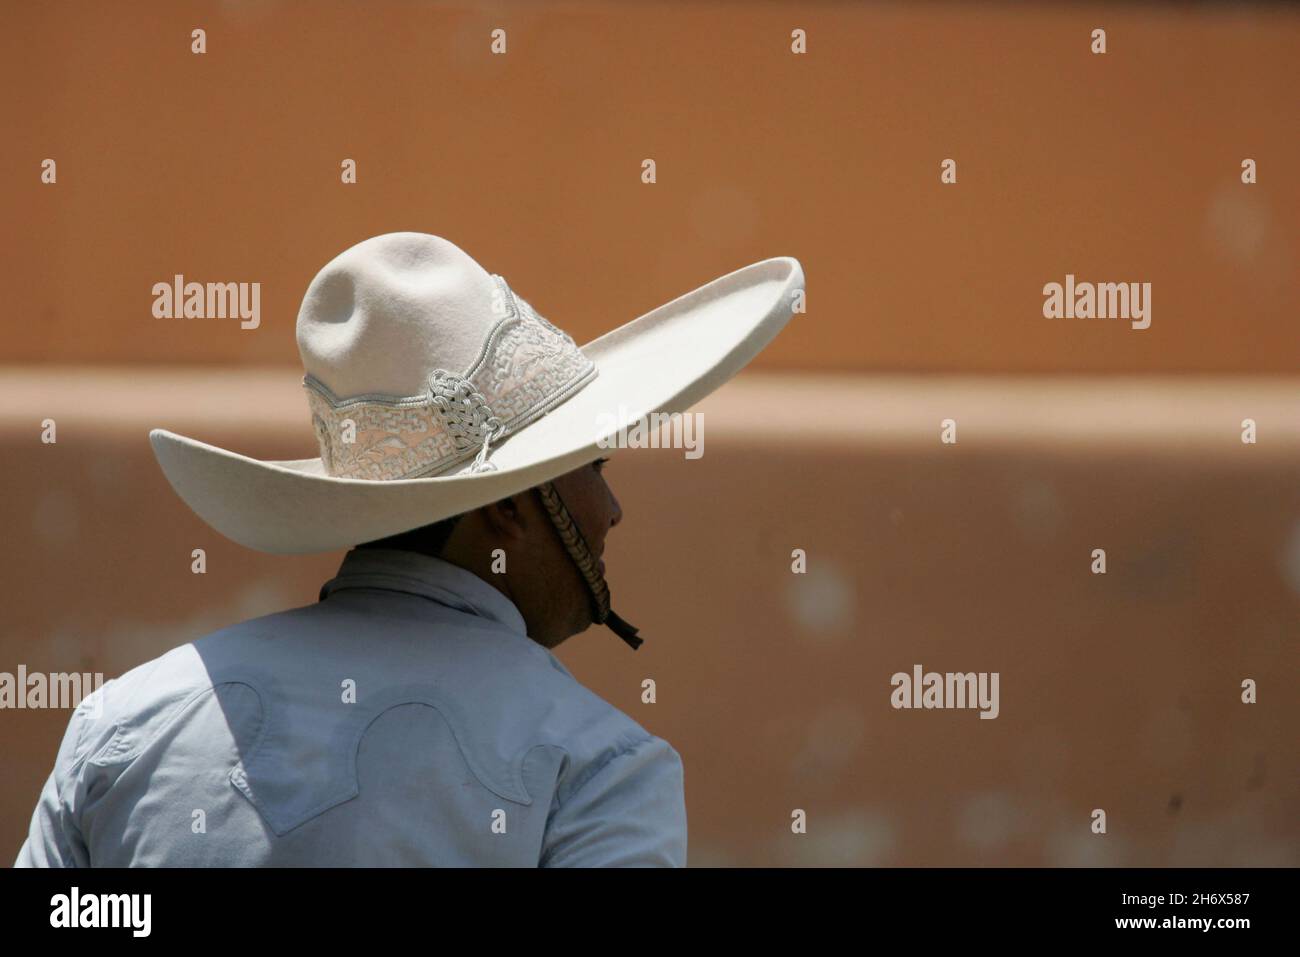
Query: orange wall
(225,167)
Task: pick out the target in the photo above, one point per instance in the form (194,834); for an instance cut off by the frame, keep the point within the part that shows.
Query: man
(415,714)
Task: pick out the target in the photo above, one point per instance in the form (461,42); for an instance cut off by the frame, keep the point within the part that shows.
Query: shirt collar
(435,578)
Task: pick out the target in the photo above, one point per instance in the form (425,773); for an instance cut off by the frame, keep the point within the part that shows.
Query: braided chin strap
(576,546)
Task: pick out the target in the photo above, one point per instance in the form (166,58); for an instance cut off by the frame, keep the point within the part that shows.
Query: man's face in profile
(591,502)
(540,577)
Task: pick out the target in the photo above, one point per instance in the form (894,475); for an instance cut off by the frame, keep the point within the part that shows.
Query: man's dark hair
(427,539)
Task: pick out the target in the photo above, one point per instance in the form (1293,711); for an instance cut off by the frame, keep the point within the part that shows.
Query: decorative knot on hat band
(467,415)
(526,368)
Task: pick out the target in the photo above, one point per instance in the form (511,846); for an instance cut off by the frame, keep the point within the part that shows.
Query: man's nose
(618,511)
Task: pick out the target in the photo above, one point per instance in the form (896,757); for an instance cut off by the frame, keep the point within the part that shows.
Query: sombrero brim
(664,361)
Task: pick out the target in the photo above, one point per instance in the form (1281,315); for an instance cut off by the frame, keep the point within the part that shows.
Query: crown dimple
(334,300)
(381,315)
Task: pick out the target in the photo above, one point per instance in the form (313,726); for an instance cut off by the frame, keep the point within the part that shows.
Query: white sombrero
(435,389)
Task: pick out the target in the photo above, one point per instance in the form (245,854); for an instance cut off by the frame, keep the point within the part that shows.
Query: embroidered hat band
(526,367)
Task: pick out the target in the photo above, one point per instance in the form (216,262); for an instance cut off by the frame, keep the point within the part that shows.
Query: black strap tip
(625,631)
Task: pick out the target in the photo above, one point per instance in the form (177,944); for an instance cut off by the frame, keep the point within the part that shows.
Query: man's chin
(576,628)
(584,624)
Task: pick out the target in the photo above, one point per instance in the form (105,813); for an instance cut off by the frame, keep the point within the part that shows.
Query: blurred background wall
(1118,691)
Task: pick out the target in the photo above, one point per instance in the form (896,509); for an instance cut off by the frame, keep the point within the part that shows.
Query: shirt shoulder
(125,712)
(626,811)
(301,710)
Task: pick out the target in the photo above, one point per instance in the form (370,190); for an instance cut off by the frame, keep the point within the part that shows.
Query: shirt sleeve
(629,813)
(53,838)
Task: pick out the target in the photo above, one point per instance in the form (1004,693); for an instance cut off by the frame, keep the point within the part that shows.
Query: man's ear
(506,518)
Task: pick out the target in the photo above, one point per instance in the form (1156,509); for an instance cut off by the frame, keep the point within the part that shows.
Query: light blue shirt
(405,719)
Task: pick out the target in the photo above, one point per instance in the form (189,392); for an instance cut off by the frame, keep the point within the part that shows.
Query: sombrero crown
(417,359)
